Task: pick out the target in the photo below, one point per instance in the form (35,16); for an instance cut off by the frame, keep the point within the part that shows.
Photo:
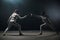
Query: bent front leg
(19,27)
(41,28)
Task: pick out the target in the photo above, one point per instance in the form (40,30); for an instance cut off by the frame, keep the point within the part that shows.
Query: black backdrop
(51,8)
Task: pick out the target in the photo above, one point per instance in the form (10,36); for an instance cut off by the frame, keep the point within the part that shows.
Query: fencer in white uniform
(13,21)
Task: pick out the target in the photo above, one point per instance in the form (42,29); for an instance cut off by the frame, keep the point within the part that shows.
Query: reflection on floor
(30,35)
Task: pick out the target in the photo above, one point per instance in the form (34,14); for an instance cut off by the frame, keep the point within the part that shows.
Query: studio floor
(30,35)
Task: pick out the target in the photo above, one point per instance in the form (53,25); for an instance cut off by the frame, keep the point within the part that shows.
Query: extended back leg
(4,33)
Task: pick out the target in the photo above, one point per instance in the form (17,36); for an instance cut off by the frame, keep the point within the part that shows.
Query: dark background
(51,8)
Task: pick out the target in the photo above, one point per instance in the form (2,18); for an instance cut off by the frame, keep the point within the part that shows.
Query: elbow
(21,18)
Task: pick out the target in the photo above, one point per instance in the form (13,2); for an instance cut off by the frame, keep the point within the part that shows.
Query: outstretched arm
(22,17)
(34,15)
(39,16)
